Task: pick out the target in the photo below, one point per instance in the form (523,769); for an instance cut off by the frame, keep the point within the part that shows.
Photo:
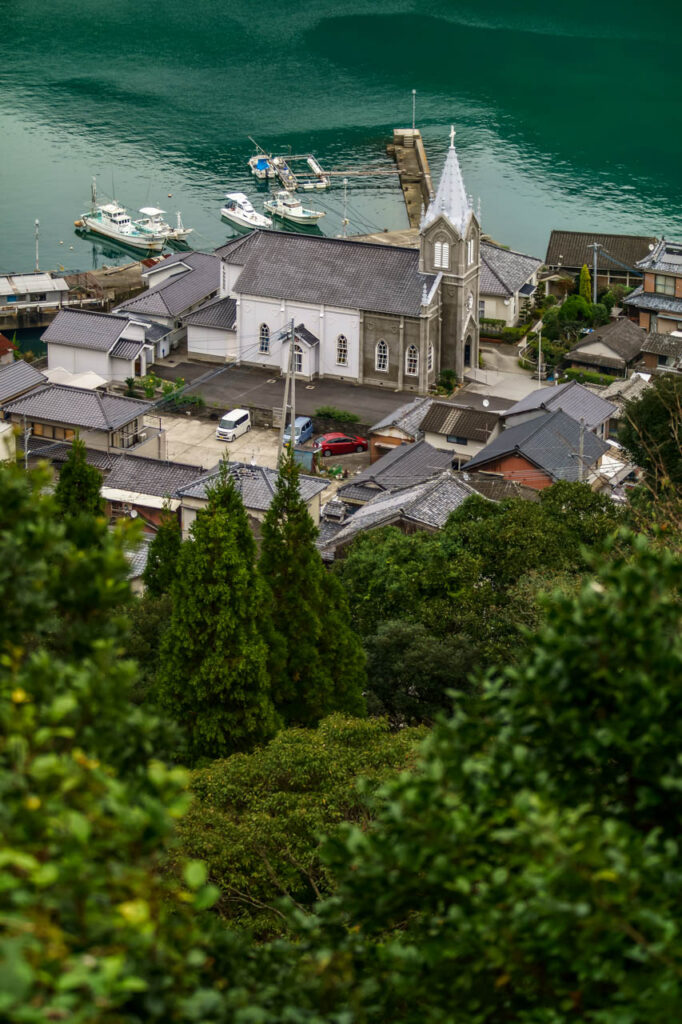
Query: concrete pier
(407,149)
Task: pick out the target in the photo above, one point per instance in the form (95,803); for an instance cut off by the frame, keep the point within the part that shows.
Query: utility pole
(540,356)
(288,383)
(595,247)
(37,227)
(581,450)
(414,107)
(27,434)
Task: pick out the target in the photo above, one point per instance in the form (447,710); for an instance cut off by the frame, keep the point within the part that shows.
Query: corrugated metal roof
(18,377)
(334,271)
(78,407)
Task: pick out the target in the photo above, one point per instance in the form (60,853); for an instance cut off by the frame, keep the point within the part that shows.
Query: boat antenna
(113,187)
(345,206)
(93,194)
(251,139)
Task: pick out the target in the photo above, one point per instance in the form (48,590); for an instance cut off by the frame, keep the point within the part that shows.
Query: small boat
(152,223)
(261,166)
(112,221)
(239,210)
(285,173)
(288,207)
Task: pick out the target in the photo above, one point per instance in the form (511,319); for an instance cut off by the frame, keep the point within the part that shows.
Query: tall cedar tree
(78,487)
(316,663)
(585,290)
(213,675)
(162,558)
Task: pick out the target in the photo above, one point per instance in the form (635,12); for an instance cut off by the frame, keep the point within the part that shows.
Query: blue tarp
(262,163)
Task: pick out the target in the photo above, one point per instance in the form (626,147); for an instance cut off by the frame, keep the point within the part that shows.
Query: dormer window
(441,255)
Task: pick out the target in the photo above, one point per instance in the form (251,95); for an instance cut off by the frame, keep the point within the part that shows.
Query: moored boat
(239,210)
(112,221)
(288,207)
(152,223)
(261,166)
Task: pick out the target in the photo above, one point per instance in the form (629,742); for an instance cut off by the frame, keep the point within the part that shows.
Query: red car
(340,444)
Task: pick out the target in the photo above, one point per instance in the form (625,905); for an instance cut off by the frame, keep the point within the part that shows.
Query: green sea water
(567,115)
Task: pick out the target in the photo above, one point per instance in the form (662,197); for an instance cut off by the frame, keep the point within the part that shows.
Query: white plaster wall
(228,278)
(163,273)
(212,342)
(251,313)
(465,451)
(597,348)
(78,360)
(495,309)
(335,322)
(122,368)
(134,331)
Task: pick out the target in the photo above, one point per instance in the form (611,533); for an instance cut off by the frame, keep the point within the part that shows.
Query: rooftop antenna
(37,231)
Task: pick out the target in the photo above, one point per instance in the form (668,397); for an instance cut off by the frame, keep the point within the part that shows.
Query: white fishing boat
(240,211)
(261,166)
(288,207)
(112,221)
(152,223)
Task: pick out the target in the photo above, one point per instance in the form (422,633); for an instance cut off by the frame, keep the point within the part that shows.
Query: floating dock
(407,149)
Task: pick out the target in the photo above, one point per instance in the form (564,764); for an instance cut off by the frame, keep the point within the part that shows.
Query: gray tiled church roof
(18,377)
(78,407)
(551,442)
(214,313)
(333,271)
(80,328)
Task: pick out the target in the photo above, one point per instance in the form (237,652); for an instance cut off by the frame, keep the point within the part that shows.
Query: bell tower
(450,240)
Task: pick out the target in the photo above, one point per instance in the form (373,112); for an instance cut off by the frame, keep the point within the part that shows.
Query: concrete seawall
(407,149)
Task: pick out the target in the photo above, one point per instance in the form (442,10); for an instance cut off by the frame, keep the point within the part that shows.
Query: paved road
(249,386)
(502,376)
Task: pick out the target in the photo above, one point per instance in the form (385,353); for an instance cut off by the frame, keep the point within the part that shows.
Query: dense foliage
(651,433)
(78,488)
(163,554)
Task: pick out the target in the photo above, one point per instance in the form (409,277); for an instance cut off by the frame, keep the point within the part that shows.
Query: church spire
(451,198)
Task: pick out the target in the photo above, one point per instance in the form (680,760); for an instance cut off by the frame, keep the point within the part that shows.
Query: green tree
(651,433)
(585,287)
(213,676)
(78,488)
(575,309)
(163,554)
(315,662)
(257,819)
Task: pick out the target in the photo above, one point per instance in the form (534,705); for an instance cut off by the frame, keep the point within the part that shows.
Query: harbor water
(566,115)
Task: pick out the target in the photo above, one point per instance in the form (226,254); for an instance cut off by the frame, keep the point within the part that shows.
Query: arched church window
(429,358)
(381,356)
(441,255)
(471,251)
(264,340)
(342,350)
(412,361)
(298,359)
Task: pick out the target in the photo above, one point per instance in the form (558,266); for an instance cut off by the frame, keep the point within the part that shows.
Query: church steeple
(451,199)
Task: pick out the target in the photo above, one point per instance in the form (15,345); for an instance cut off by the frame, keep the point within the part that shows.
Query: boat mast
(93,194)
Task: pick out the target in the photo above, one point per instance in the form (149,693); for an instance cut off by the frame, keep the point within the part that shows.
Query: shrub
(330,412)
(447,379)
(588,377)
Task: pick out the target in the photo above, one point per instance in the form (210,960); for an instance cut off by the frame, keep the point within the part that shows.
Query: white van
(233,424)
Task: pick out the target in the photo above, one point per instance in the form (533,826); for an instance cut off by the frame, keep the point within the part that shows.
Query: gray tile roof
(651,301)
(335,271)
(182,291)
(503,271)
(427,504)
(78,407)
(663,345)
(576,400)
(214,313)
(404,465)
(307,337)
(153,332)
(551,442)
(125,349)
(256,484)
(623,337)
(152,476)
(625,390)
(570,249)
(59,453)
(448,419)
(406,417)
(80,328)
(664,258)
(18,377)
(496,488)
(137,559)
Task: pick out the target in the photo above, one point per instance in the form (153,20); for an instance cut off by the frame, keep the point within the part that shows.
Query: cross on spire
(452,136)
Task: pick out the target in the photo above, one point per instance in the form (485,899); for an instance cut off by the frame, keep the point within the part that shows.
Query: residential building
(400,427)
(402,466)
(257,485)
(542,451)
(656,305)
(16,379)
(461,432)
(105,422)
(175,287)
(617,257)
(622,391)
(612,349)
(575,400)
(662,353)
(114,347)
(31,291)
(508,279)
(367,313)
(141,487)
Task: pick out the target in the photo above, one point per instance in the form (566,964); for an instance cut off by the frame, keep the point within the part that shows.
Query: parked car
(340,444)
(303,430)
(233,424)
